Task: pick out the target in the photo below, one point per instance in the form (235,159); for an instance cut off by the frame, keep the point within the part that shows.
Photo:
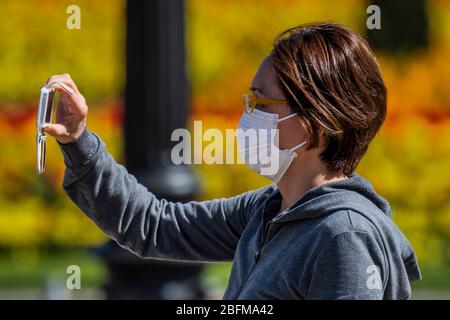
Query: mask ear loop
(288,117)
(297,147)
(300,144)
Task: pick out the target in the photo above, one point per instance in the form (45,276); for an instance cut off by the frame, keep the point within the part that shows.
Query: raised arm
(127,211)
(137,220)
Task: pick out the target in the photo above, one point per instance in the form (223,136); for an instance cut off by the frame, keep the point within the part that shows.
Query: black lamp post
(404,26)
(155,105)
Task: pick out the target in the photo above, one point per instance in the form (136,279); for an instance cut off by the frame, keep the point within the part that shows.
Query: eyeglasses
(249,102)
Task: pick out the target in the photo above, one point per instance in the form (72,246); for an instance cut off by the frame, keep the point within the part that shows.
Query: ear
(322,139)
(321,135)
(305,130)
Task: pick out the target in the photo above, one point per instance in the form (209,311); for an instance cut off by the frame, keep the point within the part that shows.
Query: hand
(71,112)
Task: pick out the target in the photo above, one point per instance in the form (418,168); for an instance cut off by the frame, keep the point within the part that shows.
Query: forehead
(265,78)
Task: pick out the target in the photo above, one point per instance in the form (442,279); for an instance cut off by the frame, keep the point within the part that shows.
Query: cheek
(291,133)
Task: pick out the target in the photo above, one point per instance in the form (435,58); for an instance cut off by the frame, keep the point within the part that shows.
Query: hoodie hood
(357,194)
(351,193)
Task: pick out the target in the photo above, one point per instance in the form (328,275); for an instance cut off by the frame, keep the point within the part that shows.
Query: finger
(70,104)
(69,79)
(53,79)
(55,129)
(62,85)
(64,78)
(65,86)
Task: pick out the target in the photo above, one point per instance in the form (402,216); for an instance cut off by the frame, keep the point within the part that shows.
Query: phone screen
(49,107)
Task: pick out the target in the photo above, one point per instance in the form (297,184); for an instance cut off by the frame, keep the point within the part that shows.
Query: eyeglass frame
(254,101)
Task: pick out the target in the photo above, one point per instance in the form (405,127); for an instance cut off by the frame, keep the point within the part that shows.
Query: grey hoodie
(337,242)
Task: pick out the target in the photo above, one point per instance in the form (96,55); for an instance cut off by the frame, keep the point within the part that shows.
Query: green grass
(216,275)
(29,270)
(26,270)
(32,270)
(433,278)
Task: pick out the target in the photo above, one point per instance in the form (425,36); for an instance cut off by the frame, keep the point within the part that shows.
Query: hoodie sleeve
(155,228)
(348,267)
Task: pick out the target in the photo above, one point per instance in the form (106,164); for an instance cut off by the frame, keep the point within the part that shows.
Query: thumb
(55,130)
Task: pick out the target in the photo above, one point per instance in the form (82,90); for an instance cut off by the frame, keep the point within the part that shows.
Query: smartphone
(44,115)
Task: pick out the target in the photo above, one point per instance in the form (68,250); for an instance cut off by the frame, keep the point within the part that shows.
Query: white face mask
(257,138)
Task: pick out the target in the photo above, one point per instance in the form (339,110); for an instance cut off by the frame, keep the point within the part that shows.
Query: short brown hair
(332,79)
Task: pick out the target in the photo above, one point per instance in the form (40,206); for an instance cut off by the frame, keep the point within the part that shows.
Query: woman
(319,232)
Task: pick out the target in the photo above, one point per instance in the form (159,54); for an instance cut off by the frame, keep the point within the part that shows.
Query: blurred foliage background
(408,162)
